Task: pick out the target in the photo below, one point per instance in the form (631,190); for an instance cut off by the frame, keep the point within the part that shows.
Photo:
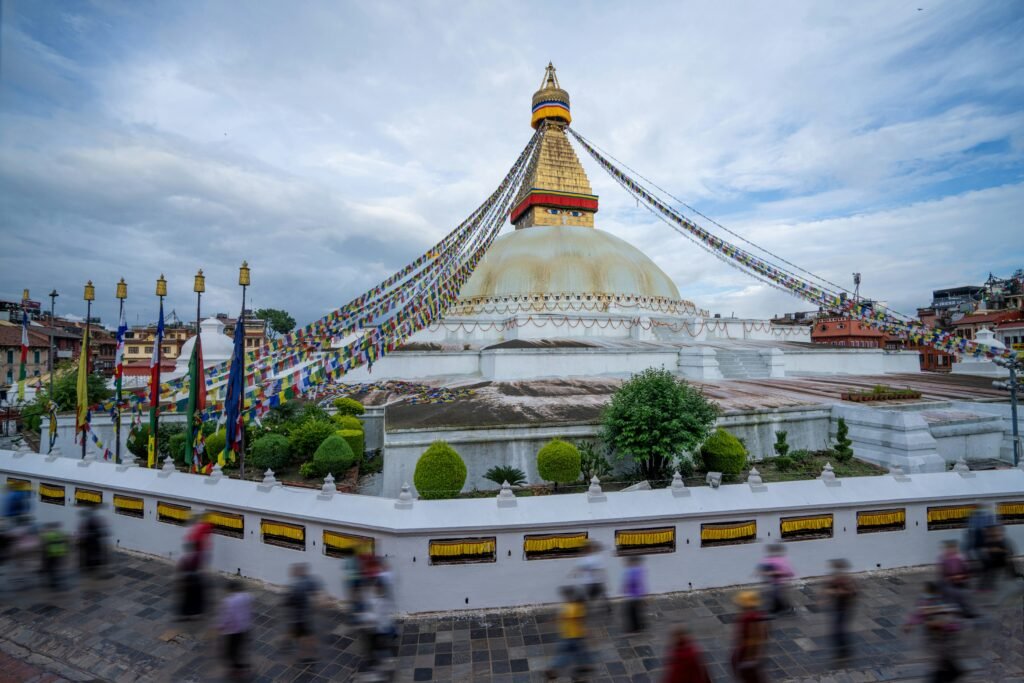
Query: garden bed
(809,467)
(880,392)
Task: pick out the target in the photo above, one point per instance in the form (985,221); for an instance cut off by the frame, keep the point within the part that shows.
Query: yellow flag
(83,384)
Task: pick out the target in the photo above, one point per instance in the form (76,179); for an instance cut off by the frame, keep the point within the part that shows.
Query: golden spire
(556,190)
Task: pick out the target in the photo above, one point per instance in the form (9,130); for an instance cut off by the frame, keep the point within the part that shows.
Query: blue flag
(233,401)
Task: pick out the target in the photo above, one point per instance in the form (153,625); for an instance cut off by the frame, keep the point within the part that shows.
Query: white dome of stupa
(217,346)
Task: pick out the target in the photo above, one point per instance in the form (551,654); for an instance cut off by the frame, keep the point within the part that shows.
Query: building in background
(255,329)
(11,310)
(138,341)
(10,354)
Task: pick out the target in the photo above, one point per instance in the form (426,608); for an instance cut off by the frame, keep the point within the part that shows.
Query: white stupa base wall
(403,535)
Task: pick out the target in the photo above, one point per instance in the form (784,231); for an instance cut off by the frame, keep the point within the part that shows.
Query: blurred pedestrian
(572,627)
(980,520)
(54,545)
(17,502)
(777,573)
(300,600)
(378,622)
(941,627)
(6,553)
(751,633)
(235,621)
(954,578)
(200,535)
(685,659)
(92,536)
(191,584)
(634,587)
(842,594)
(996,557)
(591,574)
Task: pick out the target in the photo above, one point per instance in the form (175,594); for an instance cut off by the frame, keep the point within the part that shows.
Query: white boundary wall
(403,535)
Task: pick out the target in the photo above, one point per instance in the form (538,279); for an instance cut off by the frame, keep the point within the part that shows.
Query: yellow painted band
(550,112)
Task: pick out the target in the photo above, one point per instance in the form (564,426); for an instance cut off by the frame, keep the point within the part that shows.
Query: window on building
(10,355)
(148,349)
(35,356)
(133,349)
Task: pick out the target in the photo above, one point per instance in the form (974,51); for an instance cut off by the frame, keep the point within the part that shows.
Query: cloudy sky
(329,142)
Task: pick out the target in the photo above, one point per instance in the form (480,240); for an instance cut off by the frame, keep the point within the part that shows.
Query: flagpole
(90,294)
(198,286)
(53,327)
(122,294)
(243,279)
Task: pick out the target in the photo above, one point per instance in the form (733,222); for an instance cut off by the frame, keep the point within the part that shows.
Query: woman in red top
(686,660)
(750,637)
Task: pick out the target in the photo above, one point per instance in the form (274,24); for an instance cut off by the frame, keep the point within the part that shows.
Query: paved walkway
(121,629)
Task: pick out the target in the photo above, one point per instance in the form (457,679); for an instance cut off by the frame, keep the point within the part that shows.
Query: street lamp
(121,293)
(1014,365)
(243,280)
(89,296)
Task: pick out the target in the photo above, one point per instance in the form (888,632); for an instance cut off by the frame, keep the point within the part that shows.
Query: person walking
(54,545)
(751,633)
(191,584)
(954,576)
(941,627)
(777,573)
(634,587)
(300,601)
(591,574)
(842,593)
(92,535)
(200,535)
(572,627)
(685,659)
(234,624)
(996,558)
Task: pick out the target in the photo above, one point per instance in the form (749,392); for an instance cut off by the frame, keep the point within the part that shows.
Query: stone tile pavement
(121,629)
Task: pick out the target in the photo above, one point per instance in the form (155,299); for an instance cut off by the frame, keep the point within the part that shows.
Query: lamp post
(1014,365)
(89,296)
(154,403)
(121,294)
(53,363)
(243,280)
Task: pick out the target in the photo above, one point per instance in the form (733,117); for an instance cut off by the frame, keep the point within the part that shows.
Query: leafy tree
(499,474)
(653,418)
(170,441)
(355,440)
(558,461)
(843,449)
(593,460)
(307,437)
(723,452)
(440,472)
(278,321)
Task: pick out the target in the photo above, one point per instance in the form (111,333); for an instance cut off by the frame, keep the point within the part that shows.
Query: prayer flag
(23,369)
(154,388)
(82,419)
(196,403)
(235,396)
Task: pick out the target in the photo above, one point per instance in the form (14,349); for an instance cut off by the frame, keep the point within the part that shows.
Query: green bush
(723,452)
(348,422)
(593,462)
(502,473)
(784,463)
(176,445)
(311,411)
(348,406)
(355,440)
(800,455)
(685,466)
(307,437)
(843,449)
(138,441)
(307,470)
(333,457)
(271,450)
(215,445)
(440,472)
(559,461)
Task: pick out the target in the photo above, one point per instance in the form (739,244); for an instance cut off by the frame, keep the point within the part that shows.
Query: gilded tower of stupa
(556,190)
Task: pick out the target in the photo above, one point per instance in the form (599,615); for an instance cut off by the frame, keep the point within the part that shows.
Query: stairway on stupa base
(741,364)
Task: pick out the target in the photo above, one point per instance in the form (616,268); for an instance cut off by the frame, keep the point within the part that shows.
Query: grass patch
(809,466)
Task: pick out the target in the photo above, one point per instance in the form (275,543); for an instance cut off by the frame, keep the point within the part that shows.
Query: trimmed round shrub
(333,457)
(440,472)
(271,451)
(138,441)
(723,452)
(307,437)
(215,445)
(355,440)
(559,461)
(348,406)
(348,422)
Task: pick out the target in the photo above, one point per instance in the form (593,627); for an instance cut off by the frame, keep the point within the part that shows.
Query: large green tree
(654,418)
(278,321)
